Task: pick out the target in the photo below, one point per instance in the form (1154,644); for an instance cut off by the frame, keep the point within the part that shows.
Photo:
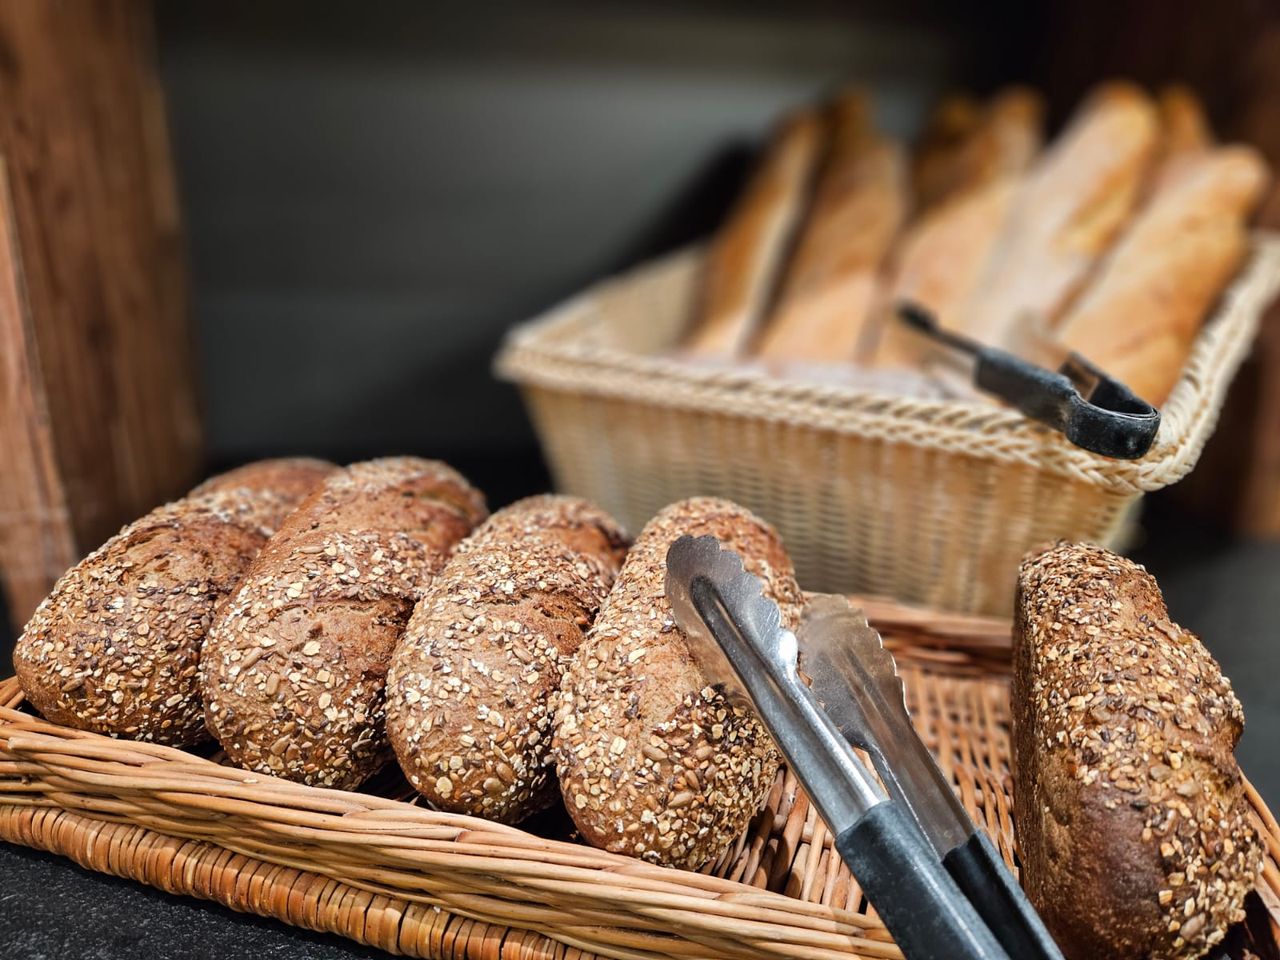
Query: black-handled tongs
(1078,400)
(936,881)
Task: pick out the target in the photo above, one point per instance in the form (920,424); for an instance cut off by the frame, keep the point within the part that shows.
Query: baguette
(469,693)
(1074,204)
(1140,317)
(948,128)
(1184,131)
(652,761)
(1133,826)
(746,256)
(944,253)
(832,280)
(115,646)
(295,666)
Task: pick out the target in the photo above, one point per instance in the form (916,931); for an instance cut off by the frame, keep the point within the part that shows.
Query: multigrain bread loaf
(1133,826)
(1139,318)
(652,761)
(945,252)
(471,686)
(830,284)
(294,669)
(747,254)
(1074,204)
(115,647)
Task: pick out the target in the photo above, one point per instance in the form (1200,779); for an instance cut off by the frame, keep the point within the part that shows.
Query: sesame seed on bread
(1133,827)
(652,761)
(294,668)
(471,687)
(116,645)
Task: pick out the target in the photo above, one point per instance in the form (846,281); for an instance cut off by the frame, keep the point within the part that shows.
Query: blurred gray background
(373,196)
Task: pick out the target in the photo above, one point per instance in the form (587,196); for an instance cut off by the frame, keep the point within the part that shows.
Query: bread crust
(470,693)
(746,256)
(294,668)
(1139,318)
(1071,209)
(944,253)
(1133,827)
(115,647)
(652,761)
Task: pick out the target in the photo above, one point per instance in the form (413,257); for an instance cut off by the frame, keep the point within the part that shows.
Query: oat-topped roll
(469,694)
(294,668)
(115,647)
(652,761)
(1133,826)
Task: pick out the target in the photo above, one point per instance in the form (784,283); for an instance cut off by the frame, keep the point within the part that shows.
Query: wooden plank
(106,353)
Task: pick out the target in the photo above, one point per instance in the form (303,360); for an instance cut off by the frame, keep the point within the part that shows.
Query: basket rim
(539,354)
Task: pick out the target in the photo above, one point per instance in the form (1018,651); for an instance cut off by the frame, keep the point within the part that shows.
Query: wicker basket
(382,871)
(932,502)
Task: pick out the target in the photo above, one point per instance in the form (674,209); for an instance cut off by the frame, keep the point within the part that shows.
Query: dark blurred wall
(374,192)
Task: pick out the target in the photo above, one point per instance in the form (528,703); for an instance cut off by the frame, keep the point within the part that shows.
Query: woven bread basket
(933,502)
(382,871)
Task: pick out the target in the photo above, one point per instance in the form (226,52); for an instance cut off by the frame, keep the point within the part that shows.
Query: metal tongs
(936,881)
(1089,408)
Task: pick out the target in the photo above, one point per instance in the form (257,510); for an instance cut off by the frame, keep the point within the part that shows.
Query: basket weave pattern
(391,874)
(933,502)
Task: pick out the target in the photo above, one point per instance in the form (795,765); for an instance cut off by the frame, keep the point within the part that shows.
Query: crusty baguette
(1184,130)
(115,647)
(831,281)
(1133,826)
(747,253)
(1072,207)
(947,129)
(471,686)
(1139,318)
(944,252)
(294,668)
(652,761)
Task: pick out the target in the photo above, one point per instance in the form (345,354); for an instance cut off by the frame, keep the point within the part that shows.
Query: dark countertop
(1226,590)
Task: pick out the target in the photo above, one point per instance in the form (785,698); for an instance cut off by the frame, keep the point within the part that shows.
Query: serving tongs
(1094,411)
(936,881)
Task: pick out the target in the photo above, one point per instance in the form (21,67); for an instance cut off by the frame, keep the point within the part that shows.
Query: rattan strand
(428,884)
(928,501)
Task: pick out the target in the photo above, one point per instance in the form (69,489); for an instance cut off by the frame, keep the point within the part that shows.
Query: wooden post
(98,417)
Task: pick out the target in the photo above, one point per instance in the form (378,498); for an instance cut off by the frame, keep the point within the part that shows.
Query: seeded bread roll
(294,668)
(652,761)
(471,686)
(289,479)
(115,647)
(1133,826)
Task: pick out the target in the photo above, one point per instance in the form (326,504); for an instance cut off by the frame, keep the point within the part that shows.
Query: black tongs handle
(1092,410)
(982,876)
(916,899)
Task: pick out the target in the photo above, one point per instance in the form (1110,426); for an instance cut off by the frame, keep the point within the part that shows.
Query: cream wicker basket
(929,501)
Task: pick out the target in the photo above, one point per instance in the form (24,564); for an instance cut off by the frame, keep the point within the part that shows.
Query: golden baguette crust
(115,646)
(1074,204)
(294,668)
(832,279)
(947,129)
(652,761)
(1133,826)
(943,254)
(746,255)
(1139,318)
(472,682)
